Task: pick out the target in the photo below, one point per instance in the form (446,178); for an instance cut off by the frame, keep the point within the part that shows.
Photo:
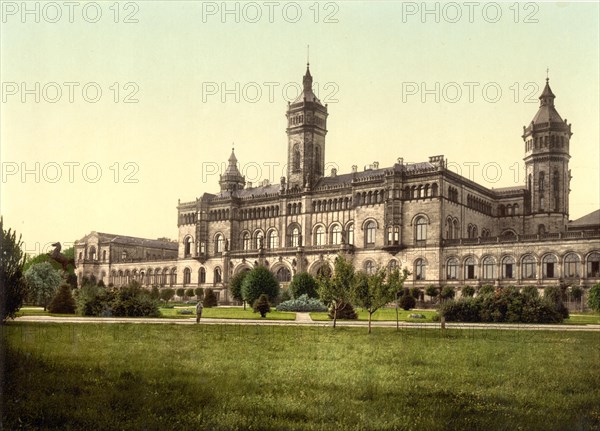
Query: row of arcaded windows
(420,191)
(479,205)
(189,218)
(218,215)
(332,205)
(258,213)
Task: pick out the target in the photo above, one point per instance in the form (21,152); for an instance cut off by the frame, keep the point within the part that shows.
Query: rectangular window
(549,270)
(508,270)
(452,272)
(470,272)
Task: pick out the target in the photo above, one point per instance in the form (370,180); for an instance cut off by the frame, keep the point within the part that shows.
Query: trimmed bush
(463,310)
(63,302)
(199,293)
(154,292)
(180,292)
(210,299)
(407,302)
(530,292)
(304,303)
(262,306)
(447,293)
(189,293)
(346,311)
(134,301)
(594,298)
(416,293)
(467,291)
(432,292)
(167,294)
(258,281)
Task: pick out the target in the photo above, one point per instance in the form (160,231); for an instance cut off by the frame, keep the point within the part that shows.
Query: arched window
(318,159)
(571,267)
(217,276)
(320,236)
(296,158)
(528,265)
(542,187)
(103,255)
(283,275)
(508,267)
(164,275)
(336,234)
(421,229)
(173,277)
(219,243)
(489,268)
(351,234)
(456,228)
(295,237)
(593,265)
(273,240)
(246,241)
(370,232)
(549,269)
(259,240)
(201,276)
(187,276)
(420,269)
(470,269)
(187,246)
(369,267)
(92,253)
(392,265)
(124,255)
(452,269)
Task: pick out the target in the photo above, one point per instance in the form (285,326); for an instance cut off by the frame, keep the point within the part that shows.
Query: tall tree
(258,281)
(42,282)
(235,286)
(304,284)
(12,285)
(335,291)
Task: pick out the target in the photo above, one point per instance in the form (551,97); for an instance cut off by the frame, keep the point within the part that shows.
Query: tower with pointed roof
(546,159)
(231,180)
(306,130)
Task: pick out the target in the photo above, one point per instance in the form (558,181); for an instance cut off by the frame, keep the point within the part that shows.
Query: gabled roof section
(130,240)
(591,219)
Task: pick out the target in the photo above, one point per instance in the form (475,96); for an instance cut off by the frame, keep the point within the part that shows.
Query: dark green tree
(554,296)
(63,302)
(189,293)
(594,298)
(199,291)
(181,293)
(447,293)
(432,292)
(258,281)
(155,292)
(12,284)
(210,299)
(530,292)
(304,284)
(407,302)
(335,291)
(467,291)
(262,306)
(235,286)
(42,282)
(167,294)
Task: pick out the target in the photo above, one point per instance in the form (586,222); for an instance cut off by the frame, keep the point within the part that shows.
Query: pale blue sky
(369,56)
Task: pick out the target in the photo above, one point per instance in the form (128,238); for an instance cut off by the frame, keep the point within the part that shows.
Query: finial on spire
(547,72)
(307,55)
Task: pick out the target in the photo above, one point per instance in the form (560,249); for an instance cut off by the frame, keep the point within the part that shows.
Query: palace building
(447,229)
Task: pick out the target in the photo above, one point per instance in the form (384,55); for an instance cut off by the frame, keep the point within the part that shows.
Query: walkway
(305,320)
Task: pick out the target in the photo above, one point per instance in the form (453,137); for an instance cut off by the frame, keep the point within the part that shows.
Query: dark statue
(61,258)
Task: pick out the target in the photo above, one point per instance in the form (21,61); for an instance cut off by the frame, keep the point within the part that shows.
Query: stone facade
(447,229)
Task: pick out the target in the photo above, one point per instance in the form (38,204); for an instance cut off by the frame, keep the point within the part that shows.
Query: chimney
(248,184)
(333,172)
(265,182)
(354,169)
(400,161)
(375,165)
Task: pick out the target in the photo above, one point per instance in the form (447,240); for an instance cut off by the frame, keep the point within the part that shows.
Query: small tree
(13,289)
(554,296)
(467,291)
(407,302)
(154,292)
(210,299)
(167,294)
(396,281)
(189,293)
(199,293)
(235,286)
(63,302)
(258,281)
(335,291)
(415,293)
(181,293)
(304,284)
(42,282)
(262,306)
(594,298)
(432,292)
(447,293)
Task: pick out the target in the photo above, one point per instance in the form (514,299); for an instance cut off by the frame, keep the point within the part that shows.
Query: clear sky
(400,79)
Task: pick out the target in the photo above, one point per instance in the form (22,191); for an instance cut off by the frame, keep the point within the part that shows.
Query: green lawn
(583,318)
(222,377)
(384,314)
(227,313)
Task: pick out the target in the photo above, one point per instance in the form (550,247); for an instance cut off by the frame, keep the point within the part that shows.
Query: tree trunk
(334,314)
(397,317)
(370,314)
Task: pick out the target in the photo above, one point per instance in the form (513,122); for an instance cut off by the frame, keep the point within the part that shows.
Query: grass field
(384,314)
(218,377)
(227,313)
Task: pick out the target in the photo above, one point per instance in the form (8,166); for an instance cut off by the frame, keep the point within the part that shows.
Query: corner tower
(546,159)
(306,130)
(231,180)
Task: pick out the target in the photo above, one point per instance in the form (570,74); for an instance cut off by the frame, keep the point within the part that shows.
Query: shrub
(258,281)
(235,285)
(530,292)
(447,293)
(345,311)
(576,293)
(416,293)
(167,294)
(467,291)
(154,292)
(304,303)
(554,296)
(285,295)
(304,284)
(199,293)
(92,300)
(594,298)
(63,302)
(465,309)
(210,299)
(432,292)
(180,292)
(407,302)
(134,301)
(535,310)
(486,290)
(261,305)
(189,293)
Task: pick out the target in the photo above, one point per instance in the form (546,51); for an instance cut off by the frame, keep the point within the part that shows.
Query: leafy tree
(346,311)
(63,301)
(407,302)
(447,293)
(554,295)
(415,292)
(189,293)
(432,292)
(199,291)
(13,289)
(304,284)
(594,298)
(235,286)
(180,292)
(42,282)
(155,292)
(467,291)
(167,294)
(262,306)
(335,291)
(72,280)
(576,292)
(210,299)
(396,281)
(258,281)
(372,292)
